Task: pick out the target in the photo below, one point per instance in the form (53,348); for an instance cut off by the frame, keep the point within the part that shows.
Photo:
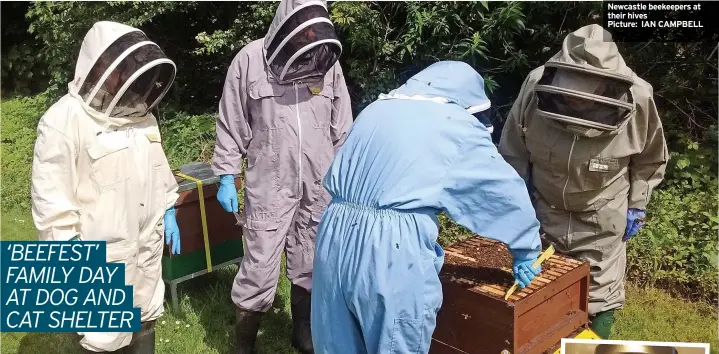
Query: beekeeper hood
(587,83)
(120,74)
(301,42)
(448,82)
(632,348)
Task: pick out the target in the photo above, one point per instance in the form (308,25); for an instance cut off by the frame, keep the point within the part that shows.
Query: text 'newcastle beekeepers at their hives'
(64,287)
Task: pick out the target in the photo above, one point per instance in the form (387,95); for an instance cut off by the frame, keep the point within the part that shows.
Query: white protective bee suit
(99,171)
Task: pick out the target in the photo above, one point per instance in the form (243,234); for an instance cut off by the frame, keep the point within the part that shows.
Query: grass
(205,323)
(652,315)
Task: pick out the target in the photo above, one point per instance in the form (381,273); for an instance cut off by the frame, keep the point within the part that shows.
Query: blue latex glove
(172,232)
(227,194)
(523,270)
(635,221)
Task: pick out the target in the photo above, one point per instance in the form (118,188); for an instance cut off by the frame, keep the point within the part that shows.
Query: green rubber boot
(602,324)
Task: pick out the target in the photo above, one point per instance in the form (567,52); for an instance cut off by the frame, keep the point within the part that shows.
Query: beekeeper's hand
(227,195)
(635,221)
(172,232)
(524,272)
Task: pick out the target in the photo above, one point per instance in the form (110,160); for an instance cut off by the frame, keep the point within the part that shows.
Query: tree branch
(680,110)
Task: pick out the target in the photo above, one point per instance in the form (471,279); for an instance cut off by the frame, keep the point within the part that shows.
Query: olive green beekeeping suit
(586,136)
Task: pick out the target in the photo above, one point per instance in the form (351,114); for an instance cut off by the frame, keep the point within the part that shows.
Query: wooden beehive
(475,318)
(225,237)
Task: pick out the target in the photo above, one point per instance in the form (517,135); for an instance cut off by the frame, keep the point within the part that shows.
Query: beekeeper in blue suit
(412,154)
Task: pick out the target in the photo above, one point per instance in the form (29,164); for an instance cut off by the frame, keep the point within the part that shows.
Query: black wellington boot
(247,323)
(143,342)
(301,330)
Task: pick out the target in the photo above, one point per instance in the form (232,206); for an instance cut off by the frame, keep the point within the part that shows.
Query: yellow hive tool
(546,254)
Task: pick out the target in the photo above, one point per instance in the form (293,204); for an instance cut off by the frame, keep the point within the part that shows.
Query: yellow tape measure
(203,216)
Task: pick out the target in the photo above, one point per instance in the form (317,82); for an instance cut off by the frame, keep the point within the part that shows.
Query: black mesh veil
(584,97)
(305,45)
(485,118)
(130,77)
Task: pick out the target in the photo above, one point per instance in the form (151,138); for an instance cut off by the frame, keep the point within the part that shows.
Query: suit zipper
(299,141)
(564,191)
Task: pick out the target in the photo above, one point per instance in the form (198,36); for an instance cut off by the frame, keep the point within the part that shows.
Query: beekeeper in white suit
(100,174)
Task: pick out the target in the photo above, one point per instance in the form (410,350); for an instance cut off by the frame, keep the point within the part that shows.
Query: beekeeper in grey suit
(285,107)
(586,136)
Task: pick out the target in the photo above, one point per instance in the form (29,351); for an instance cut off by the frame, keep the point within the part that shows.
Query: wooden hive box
(225,237)
(475,318)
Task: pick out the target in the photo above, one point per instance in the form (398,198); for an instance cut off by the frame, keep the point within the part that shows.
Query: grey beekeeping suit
(586,135)
(285,107)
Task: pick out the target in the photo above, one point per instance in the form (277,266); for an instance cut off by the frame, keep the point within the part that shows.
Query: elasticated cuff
(523,255)
(227,179)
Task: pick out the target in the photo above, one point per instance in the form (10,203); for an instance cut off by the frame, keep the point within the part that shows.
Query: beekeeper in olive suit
(286,108)
(586,136)
(99,172)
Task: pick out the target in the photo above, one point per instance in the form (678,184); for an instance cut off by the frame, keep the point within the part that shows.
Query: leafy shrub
(383,44)
(19,122)
(677,249)
(451,232)
(693,164)
(187,138)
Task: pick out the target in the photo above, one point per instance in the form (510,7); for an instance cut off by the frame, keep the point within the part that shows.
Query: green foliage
(451,232)
(387,42)
(180,28)
(693,165)
(187,138)
(677,249)
(684,78)
(384,43)
(19,122)
(240,33)
(62,26)
(21,53)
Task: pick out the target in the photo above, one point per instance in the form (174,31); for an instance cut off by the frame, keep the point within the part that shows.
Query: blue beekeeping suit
(412,154)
